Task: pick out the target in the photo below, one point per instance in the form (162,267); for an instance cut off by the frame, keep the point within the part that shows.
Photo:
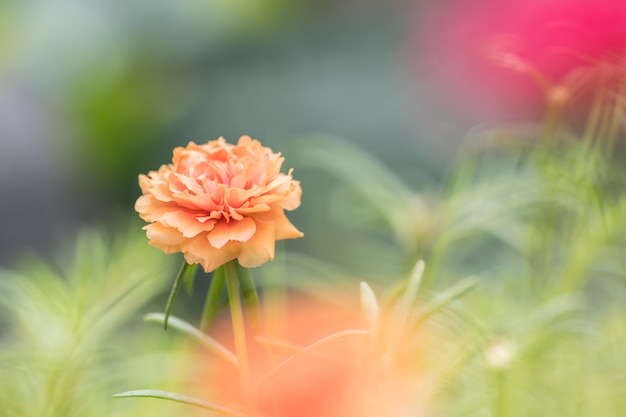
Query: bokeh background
(94,93)
(369,101)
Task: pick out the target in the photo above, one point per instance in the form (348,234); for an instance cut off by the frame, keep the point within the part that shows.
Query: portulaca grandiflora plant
(498,291)
(510,296)
(517,286)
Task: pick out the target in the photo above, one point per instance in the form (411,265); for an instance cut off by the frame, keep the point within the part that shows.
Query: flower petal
(187,222)
(217,201)
(199,250)
(292,200)
(260,248)
(238,230)
(284,228)
(167,239)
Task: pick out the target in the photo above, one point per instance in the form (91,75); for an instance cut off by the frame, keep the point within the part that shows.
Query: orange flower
(218,202)
(349,376)
(288,383)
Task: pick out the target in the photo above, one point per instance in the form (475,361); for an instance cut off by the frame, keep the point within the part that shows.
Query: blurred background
(369,101)
(94,93)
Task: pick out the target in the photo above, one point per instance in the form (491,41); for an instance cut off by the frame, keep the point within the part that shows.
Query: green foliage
(67,339)
(517,309)
(539,222)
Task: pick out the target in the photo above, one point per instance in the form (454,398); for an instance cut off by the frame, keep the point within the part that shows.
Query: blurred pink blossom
(496,59)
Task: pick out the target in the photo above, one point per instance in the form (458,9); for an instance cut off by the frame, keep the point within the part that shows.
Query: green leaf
(213,299)
(369,308)
(250,297)
(383,190)
(446,297)
(171,396)
(182,273)
(186,328)
(237,321)
(190,278)
(410,294)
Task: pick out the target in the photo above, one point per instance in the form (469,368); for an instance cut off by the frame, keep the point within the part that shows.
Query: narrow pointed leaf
(171,396)
(177,283)
(213,300)
(189,278)
(410,294)
(446,297)
(250,297)
(370,309)
(238,322)
(186,328)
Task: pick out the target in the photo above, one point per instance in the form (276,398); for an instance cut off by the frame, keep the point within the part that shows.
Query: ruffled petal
(146,205)
(292,199)
(187,222)
(239,230)
(217,201)
(168,239)
(199,250)
(283,227)
(260,248)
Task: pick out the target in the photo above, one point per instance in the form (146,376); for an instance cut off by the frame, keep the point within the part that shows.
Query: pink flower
(218,202)
(501,57)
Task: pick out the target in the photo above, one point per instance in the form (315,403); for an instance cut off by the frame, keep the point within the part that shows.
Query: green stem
(239,328)
(213,299)
(250,298)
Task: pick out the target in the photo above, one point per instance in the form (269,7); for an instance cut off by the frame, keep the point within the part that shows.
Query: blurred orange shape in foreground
(340,378)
